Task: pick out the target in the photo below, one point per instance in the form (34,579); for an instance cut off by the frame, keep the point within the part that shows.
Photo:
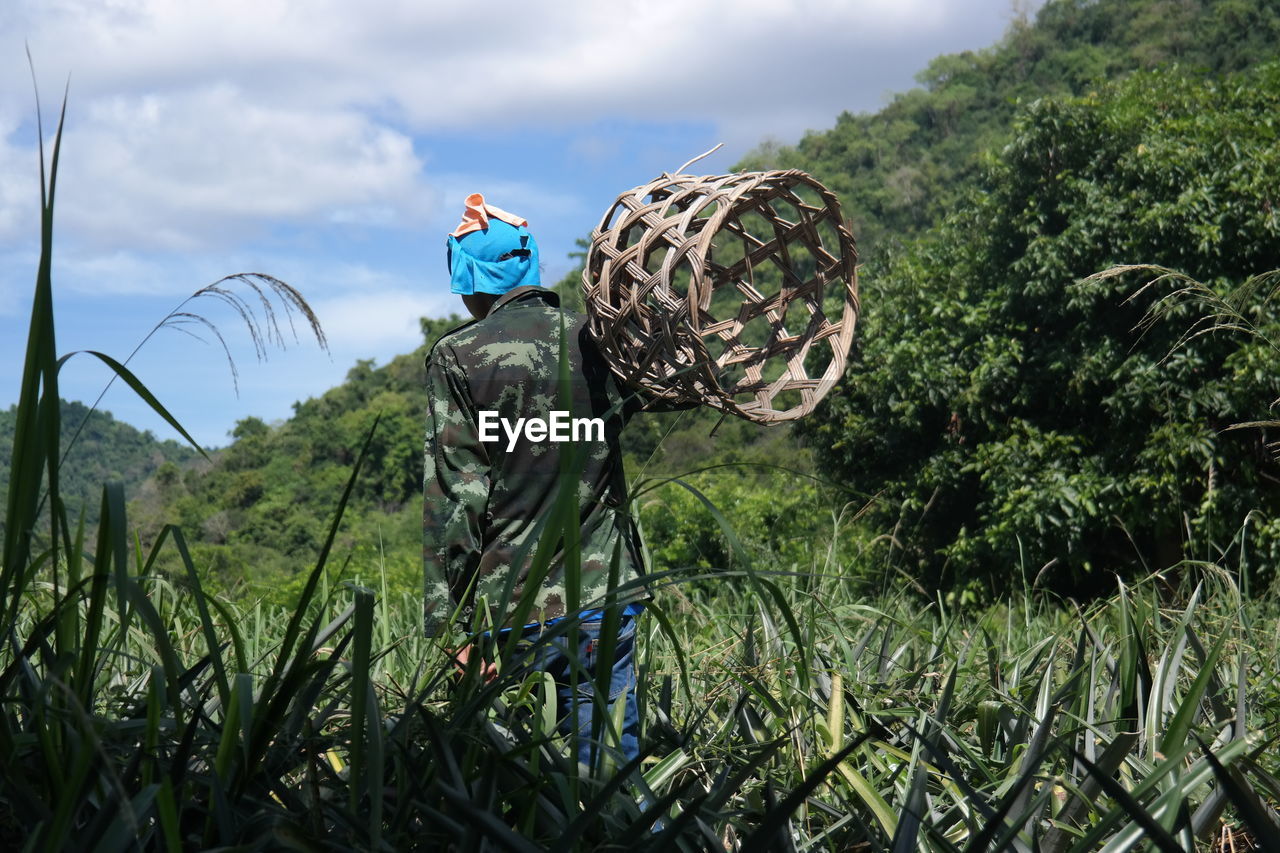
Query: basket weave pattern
(717,289)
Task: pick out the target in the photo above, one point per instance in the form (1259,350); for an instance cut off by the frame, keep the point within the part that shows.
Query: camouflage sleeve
(455,491)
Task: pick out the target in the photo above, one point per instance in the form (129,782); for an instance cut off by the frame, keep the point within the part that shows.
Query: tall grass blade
(142,391)
(766,833)
(288,669)
(1180,725)
(1157,833)
(1263,823)
(359,782)
(36,426)
(743,557)
(212,643)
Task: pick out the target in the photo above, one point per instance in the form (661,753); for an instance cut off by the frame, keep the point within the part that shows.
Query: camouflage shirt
(483,499)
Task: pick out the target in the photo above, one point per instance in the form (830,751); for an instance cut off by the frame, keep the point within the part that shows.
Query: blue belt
(634,608)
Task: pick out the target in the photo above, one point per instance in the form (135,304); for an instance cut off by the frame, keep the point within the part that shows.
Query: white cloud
(19,187)
(17,275)
(378,321)
(199,169)
(196,123)
(115,271)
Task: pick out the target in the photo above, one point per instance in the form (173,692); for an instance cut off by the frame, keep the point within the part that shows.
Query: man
(498,417)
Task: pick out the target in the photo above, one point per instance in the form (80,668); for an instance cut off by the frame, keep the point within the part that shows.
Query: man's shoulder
(519,335)
(537,322)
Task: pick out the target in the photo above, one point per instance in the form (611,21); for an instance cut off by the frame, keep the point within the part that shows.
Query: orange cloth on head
(477,214)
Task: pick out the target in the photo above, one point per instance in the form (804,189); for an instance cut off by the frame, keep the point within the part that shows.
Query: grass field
(781,712)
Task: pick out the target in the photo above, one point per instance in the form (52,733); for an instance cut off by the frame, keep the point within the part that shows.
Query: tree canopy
(1013,418)
(900,170)
(104,449)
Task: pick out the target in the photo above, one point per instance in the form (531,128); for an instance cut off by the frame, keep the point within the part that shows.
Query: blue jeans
(576,705)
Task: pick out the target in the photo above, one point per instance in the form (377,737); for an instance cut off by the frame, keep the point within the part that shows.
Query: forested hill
(259,515)
(105,450)
(900,170)
(1027,424)
(981,439)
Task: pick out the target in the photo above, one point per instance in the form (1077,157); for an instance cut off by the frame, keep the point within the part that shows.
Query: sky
(330,144)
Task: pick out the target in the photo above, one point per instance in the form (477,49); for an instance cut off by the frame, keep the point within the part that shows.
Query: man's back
(493,461)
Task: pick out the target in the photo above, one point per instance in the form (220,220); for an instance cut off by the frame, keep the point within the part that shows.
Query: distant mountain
(106,450)
(257,517)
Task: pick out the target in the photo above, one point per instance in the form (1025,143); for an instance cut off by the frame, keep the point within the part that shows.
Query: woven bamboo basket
(738,291)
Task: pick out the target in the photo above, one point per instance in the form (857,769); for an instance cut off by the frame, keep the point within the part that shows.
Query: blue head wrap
(494,260)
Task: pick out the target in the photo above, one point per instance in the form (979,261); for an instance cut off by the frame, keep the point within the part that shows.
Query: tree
(1011,417)
(898,171)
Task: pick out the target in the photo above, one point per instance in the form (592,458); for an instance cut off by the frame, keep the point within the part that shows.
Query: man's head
(490,252)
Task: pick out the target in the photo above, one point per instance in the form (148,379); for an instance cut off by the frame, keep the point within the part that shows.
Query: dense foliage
(104,449)
(983,369)
(1013,418)
(900,170)
(267,500)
